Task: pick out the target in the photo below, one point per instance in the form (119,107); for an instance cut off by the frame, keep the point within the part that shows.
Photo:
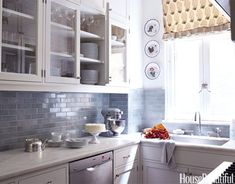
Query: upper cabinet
(119,10)
(94,50)
(118,65)
(99,5)
(21,40)
(62,41)
(40,40)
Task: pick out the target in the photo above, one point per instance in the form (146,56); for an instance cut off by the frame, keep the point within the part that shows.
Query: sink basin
(202,140)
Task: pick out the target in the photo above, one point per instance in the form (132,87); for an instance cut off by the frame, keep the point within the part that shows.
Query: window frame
(204,73)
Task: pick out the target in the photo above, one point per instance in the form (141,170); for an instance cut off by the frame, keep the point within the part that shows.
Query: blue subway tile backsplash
(36,114)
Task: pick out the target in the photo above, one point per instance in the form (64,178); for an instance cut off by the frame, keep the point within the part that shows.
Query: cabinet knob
(49,182)
(78,77)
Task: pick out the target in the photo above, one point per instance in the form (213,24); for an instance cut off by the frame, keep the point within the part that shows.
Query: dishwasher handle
(89,169)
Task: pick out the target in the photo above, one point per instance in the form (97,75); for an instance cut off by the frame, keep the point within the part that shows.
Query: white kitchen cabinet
(119,10)
(21,40)
(34,31)
(62,38)
(188,161)
(126,161)
(118,64)
(57,175)
(99,5)
(94,31)
(127,174)
(155,173)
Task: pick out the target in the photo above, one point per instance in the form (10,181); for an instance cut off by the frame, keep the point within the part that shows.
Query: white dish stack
(90,50)
(89,76)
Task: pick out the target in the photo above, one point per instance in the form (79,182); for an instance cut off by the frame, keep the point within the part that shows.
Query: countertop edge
(22,172)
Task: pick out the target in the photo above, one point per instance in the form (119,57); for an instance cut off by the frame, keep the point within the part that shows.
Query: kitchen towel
(168,154)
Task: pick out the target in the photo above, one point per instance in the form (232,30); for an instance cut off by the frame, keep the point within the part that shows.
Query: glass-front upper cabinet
(118,66)
(62,42)
(21,40)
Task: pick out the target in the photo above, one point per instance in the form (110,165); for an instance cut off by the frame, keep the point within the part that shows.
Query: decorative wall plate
(152,71)
(151,27)
(152,48)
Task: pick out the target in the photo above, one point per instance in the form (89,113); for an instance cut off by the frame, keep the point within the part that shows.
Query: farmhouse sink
(202,140)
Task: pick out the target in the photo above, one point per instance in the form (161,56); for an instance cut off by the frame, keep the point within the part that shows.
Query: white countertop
(17,162)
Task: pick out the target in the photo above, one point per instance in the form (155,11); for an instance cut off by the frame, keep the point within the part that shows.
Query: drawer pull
(126,157)
(118,175)
(49,182)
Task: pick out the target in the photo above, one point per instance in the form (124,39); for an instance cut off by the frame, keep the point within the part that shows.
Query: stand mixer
(113,122)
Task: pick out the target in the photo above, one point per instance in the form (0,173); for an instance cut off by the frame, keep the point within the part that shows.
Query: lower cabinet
(154,173)
(127,174)
(126,161)
(57,175)
(189,166)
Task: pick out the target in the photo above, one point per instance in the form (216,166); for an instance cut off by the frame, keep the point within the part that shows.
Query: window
(200,76)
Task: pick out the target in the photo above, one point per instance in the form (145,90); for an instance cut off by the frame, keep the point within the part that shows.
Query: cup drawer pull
(126,157)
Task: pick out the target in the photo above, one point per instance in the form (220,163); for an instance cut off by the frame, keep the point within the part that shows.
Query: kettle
(34,145)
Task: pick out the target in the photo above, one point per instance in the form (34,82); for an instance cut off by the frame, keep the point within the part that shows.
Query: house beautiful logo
(190,179)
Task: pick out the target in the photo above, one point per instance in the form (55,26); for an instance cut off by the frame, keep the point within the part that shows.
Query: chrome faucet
(197,117)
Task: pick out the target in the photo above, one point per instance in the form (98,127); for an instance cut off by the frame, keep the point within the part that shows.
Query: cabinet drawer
(125,155)
(56,175)
(127,174)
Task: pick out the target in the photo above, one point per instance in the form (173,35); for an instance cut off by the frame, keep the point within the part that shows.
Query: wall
(154,90)
(36,114)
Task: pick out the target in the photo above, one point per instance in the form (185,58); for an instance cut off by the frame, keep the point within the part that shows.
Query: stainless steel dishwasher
(93,170)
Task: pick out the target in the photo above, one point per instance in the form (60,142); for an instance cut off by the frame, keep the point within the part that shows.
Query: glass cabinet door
(20,46)
(62,42)
(118,75)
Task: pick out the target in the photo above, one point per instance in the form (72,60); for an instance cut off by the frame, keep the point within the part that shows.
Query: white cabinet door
(62,42)
(154,173)
(21,40)
(58,176)
(119,10)
(118,64)
(127,174)
(96,4)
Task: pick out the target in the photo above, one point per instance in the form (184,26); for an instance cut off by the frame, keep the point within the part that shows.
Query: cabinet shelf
(9,11)
(62,55)
(115,43)
(61,26)
(89,60)
(87,35)
(17,47)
